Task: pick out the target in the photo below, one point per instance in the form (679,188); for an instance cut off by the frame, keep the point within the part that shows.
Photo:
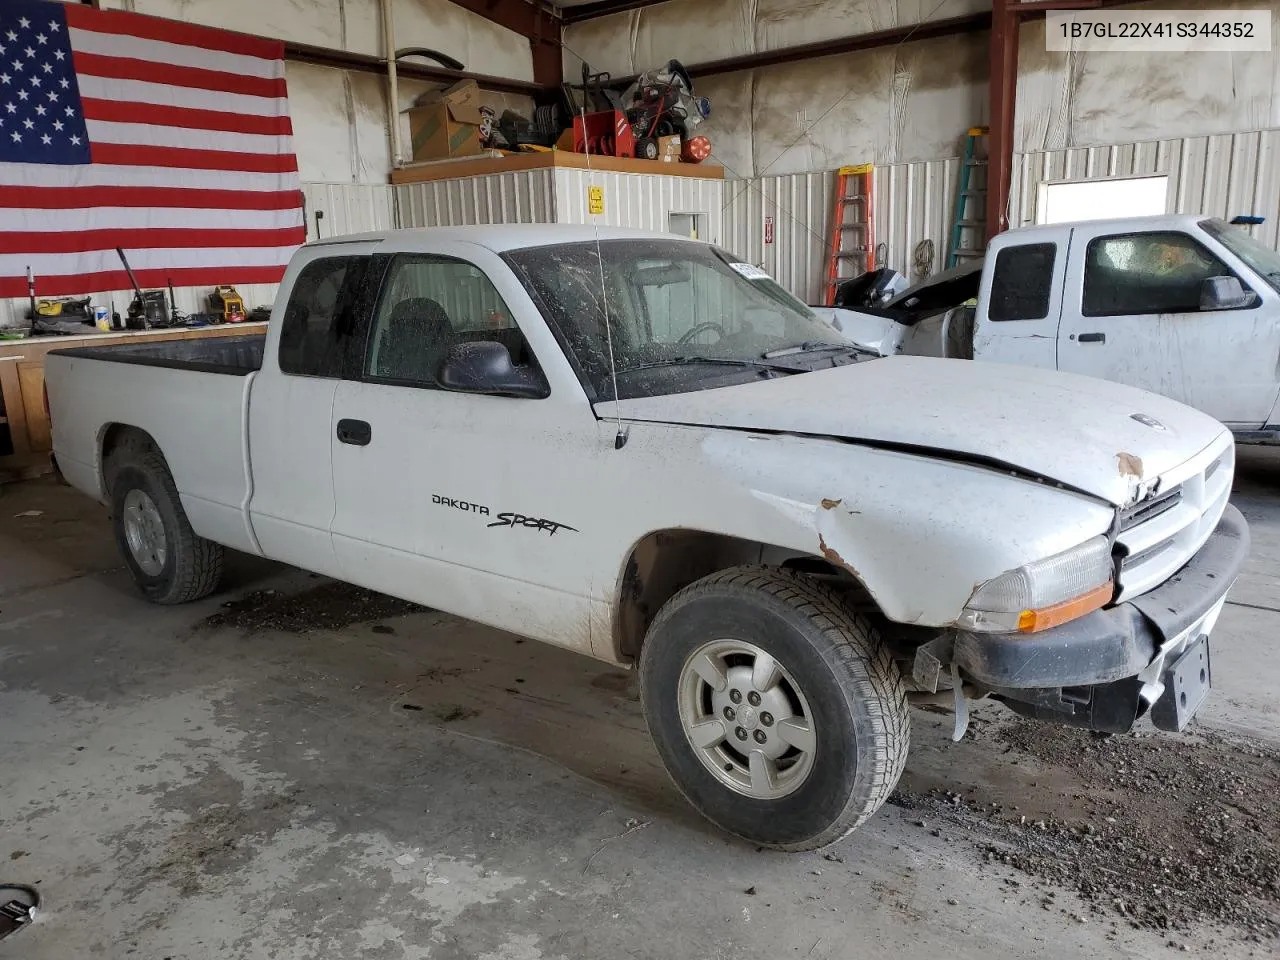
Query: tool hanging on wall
(969,225)
(147,309)
(852,227)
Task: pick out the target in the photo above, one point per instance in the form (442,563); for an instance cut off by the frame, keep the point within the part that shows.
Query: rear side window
(322,332)
(1023,282)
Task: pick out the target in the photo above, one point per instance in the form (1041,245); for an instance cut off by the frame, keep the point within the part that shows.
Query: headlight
(1043,594)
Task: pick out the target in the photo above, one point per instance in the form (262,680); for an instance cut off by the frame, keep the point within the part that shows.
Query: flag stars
(53,97)
(29,52)
(11,107)
(23,94)
(11,37)
(57,126)
(58,54)
(17,64)
(17,137)
(24,23)
(41,38)
(46,139)
(70,112)
(64,83)
(47,67)
(54,26)
(5,78)
(29,123)
(40,111)
(75,141)
(35,81)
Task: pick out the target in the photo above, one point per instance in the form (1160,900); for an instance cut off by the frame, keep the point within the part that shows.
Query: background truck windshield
(668,301)
(1255,253)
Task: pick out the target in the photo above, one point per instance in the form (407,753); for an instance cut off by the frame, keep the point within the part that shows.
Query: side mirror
(486,367)
(1225,293)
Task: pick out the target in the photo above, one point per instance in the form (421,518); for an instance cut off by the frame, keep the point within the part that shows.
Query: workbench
(22,410)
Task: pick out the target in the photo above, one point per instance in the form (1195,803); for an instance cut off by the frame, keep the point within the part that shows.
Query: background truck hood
(1071,429)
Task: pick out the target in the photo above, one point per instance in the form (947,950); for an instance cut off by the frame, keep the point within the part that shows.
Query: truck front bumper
(1105,669)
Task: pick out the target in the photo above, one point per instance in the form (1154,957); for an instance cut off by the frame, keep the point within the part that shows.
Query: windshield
(683,316)
(1257,255)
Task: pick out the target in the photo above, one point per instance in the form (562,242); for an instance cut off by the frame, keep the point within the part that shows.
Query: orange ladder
(853,232)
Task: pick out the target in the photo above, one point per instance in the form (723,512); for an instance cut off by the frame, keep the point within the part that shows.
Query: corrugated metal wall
(800,205)
(1223,176)
(645,202)
(524,197)
(348,208)
(913,206)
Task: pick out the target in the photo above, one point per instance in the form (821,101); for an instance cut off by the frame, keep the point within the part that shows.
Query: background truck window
(1022,284)
(429,304)
(318,337)
(1147,273)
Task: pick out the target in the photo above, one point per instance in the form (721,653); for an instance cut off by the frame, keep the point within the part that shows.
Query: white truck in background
(791,538)
(1185,306)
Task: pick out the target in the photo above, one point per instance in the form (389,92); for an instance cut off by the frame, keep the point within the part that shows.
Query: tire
(833,671)
(647,148)
(188,567)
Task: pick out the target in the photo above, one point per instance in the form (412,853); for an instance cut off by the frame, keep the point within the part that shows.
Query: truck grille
(1162,533)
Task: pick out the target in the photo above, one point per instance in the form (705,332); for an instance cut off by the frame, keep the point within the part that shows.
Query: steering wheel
(688,337)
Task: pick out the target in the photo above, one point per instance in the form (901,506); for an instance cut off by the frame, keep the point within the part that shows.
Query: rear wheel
(169,561)
(647,148)
(776,710)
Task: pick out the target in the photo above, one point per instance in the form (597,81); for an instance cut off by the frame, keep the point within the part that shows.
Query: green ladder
(969,226)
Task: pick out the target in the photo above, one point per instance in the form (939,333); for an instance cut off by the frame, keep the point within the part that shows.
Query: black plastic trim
(1110,645)
(132,353)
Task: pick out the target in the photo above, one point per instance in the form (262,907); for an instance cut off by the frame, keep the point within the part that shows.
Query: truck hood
(1102,438)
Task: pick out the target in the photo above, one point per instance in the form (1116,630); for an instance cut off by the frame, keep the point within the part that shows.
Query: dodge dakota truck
(640,448)
(1180,305)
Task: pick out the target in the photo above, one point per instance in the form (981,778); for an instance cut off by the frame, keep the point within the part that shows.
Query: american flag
(170,140)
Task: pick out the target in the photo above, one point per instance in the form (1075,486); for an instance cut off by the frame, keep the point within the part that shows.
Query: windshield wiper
(811,346)
(722,361)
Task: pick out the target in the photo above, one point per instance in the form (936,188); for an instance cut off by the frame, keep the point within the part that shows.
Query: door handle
(1093,338)
(358,433)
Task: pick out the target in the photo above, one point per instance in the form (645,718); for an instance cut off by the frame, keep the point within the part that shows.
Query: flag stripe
(154,28)
(104,175)
(159,51)
(81,198)
(123,68)
(150,135)
(37,220)
(117,112)
(87,240)
(126,154)
(138,91)
(145,258)
(16,286)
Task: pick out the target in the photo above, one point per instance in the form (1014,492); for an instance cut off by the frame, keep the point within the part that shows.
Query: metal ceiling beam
(365,63)
(530,19)
(602,8)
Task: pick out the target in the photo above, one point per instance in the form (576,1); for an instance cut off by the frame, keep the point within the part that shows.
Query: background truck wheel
(776,710)
(168,560)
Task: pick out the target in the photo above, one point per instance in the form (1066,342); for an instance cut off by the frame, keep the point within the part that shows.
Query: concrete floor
(185,792)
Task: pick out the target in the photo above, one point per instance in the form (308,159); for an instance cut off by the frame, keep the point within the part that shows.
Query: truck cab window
(319,335)
(429,304)
(1147,273)
(1022,283)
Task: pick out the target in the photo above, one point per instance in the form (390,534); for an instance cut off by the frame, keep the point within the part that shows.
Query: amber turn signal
(1034,621)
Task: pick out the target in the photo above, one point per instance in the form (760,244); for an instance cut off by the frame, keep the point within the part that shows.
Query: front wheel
(776,710)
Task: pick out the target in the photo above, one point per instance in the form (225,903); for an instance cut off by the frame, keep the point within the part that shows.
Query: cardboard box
(446,123)
(669,149)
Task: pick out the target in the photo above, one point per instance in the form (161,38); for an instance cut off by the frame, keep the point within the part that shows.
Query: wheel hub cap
(747,719)
(144,532)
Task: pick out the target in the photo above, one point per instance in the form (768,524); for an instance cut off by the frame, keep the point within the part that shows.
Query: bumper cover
(1110,645)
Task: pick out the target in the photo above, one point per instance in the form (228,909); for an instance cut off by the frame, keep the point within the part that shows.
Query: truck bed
(231,354)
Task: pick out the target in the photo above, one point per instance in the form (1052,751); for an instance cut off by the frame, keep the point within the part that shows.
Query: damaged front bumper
(1104,670)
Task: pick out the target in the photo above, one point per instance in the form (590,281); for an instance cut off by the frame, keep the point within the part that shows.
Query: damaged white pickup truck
(637,447)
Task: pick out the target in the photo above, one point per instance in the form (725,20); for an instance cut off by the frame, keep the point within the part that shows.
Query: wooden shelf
(483,166)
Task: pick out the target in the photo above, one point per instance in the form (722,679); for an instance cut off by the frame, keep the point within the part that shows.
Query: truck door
(317,341)
(464,501)
(1133,312)
(1019,323)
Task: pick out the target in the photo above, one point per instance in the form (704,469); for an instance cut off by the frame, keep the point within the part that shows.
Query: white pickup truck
(1180,305)
(791,538)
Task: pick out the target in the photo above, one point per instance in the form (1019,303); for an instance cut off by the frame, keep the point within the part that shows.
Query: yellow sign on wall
(595,201)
